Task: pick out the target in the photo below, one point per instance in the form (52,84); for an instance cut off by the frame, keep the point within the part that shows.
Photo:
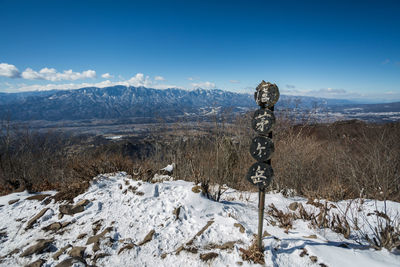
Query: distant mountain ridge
(119,102)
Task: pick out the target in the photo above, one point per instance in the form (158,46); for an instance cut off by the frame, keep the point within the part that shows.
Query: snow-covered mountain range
(148,105)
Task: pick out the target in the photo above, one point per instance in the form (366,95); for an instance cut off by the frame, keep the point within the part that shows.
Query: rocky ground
(123,222)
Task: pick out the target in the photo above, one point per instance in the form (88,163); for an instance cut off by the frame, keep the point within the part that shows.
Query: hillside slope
(123,222)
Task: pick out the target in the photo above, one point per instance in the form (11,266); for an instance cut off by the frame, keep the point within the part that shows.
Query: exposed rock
(65,209)
(53,227)
(37,263)
(129,246)
(293,206)
(13,201)
(60,216)
(96,246)
(77,209)
(34,219)
(241,227)
(208,256)
(209,223)
(73,209)
(190,249)
(39,247)
(96,238)
(65,224)
(3,234)
(125,240)
(71,261)
(304,252)
(224,246)
(176,212)
(311,236)
(99,256)
(313,258)
(82,202)
(179,250)
(265,234)
(109,242)
(77,252)
(39,197)
(193,250)
(96,226)
(81,236)
(147,238)
(60,252)
(47,200)
(13,252)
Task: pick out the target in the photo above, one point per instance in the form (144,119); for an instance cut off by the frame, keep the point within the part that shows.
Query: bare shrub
(333,161)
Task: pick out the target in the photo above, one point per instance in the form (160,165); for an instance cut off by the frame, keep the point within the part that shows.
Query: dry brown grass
(252,253)
(332,161)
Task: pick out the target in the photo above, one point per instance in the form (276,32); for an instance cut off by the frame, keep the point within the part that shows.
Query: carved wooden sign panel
(263,121)
(267,94)
(261,148)
(260,174)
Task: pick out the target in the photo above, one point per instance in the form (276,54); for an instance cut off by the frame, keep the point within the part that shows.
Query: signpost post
(262,146)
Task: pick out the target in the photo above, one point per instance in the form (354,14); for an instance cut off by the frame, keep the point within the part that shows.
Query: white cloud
(190,78)
(159,78)
(8,70)
(234,81)
(107,76)
(137,80)
(140,80)
(204,85)
(51,74)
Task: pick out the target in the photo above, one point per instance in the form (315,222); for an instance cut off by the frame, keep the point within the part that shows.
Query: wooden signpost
(262,147)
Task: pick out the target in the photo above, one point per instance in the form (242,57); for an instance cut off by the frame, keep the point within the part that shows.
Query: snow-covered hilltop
(123,222)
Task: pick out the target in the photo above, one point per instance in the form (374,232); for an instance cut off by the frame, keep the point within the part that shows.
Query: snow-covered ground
(132,223)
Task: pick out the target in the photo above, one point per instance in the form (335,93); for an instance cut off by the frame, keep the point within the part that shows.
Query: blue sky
(336,49)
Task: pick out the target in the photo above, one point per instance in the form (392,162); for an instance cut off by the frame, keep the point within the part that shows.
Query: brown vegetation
(335,161)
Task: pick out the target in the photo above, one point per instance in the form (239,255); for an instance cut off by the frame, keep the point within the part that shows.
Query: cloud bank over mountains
(49,74)
(69,79)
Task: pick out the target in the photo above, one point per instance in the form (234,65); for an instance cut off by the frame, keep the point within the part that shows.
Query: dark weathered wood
(261,148)
(260,174)
(267,94)
(263,121)
(261,204)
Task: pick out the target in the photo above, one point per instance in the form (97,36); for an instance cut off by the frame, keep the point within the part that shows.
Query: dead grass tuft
(252,254)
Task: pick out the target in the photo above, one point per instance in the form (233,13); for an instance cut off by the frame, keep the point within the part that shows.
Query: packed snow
(169,223)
